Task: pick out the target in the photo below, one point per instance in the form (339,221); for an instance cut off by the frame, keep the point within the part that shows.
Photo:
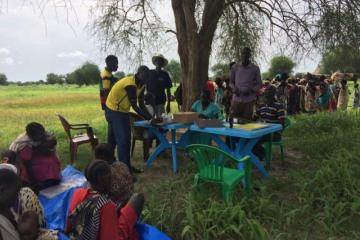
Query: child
(93,215)
(9,157)
(122,182)
(29,228)
(356,103)
(343,99)
(271,112)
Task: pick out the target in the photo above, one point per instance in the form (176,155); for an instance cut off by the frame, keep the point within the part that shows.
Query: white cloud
(4,51)
(73,54)
(8,61)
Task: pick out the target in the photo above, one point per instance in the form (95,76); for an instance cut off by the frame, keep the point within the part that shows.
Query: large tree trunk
(194,45)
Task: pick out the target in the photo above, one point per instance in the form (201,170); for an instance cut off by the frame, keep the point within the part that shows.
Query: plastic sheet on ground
(56,201)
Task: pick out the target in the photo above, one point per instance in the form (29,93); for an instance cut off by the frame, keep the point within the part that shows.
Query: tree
(52,78)
(132,26)
(119,75)
(87,74)
(265,75)
(174,68)
(343,59)
(280,64)
(3,79)
(220,69)
(241,25)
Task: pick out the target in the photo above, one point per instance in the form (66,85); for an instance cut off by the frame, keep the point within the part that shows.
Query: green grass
(315,196)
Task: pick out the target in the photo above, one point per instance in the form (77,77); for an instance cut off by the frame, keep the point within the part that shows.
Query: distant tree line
(88,74)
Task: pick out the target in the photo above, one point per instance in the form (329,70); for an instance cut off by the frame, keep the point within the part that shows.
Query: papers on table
(251,126)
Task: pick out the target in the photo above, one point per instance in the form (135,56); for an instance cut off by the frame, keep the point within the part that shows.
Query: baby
(29,228)
(9,157)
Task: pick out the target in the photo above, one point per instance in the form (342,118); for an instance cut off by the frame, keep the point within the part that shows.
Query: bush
(281,64)
(3,79)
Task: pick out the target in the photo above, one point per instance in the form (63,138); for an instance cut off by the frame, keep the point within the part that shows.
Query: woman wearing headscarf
(9,187)
(92,213)
(26,200)
(15,203)
(207,110)
(36,149)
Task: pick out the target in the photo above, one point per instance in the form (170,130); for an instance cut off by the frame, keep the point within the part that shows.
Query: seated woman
(122,182)
(92,214)
(206,110)
(9,188)
(26,200)
(36,149)
(12,226)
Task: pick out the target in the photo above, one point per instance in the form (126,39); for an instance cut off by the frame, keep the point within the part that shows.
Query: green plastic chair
(211,163)
(268,146)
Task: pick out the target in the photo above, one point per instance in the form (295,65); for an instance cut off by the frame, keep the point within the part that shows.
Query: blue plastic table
(247,140)
(164,143)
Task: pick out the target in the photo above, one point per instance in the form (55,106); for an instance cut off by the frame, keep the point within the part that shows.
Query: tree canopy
(280,64)
(342,58)
(86,74)
(3,79)
(53,78)
(220,69)
(134,28)
(174,68)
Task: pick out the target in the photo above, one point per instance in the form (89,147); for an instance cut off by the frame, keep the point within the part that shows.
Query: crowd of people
(108,208)
(240,93)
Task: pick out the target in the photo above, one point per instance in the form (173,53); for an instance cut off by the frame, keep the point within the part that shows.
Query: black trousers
(259,150)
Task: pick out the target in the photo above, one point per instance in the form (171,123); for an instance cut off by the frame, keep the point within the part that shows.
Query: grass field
(316,195)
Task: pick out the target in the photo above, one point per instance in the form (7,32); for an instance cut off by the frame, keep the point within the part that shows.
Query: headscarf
(23,140)
(9,167)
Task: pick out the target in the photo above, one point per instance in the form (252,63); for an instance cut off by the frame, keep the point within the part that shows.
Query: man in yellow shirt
(107,79)
(126,93)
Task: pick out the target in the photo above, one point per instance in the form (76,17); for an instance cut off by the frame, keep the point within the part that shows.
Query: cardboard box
(185,117)
(209,123)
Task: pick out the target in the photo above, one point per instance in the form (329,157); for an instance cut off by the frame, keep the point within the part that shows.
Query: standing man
(158,83)
(126,93)
(107,79)
(245,81)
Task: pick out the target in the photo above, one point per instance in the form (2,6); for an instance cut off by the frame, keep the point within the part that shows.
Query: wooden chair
(77,140)
(139,134)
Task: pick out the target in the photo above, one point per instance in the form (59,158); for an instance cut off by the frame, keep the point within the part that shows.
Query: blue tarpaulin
(56,200)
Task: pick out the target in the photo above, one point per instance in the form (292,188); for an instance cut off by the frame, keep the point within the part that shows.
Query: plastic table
(247,140)
(164,143)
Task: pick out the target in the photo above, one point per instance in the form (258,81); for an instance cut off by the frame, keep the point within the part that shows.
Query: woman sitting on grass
(15,208)
(36,149)
(92,213)
(122,182)
(9,188)
(26,199)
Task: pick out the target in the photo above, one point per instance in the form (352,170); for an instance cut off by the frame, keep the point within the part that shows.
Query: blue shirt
(212,110)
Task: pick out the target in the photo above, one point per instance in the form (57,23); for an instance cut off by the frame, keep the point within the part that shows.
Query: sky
(55,40)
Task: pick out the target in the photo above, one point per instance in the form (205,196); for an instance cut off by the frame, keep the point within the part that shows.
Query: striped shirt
(272,113)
